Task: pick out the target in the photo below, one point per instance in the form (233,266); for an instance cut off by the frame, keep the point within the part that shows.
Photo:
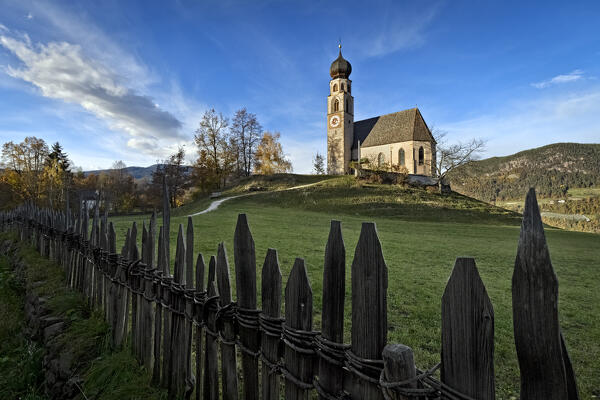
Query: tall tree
(57,175)
(245,136)
(319,164)
(24,167)
(214,149)
(270,158)
(118,187)
(176,174)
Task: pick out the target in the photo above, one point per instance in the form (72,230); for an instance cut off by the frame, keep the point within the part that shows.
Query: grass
(421,235)
(20,359)
(107,375)
(584,192)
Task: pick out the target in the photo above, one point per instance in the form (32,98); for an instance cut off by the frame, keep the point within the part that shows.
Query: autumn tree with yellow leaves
(269,156)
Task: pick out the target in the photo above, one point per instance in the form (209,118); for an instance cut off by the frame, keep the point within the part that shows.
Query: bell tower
(340,117)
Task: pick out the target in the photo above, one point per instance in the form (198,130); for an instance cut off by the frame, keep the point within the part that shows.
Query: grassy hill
(565,175)
(421,234)
(551,169)
(138,173)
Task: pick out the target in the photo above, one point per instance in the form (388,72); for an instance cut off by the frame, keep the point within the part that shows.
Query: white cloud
(29,16)
(61,71)
(399,29)
(565,78)
(521,125)
(3,28)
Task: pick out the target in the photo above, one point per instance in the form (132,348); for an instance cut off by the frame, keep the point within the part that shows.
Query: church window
(342,87)
(421,155)
(335,88)
(401,157)
(336,105)
(349,91)
(381,160)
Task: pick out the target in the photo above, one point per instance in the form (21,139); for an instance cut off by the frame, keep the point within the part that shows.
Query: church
(400,139)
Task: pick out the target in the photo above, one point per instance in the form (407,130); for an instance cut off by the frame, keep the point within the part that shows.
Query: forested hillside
(551,169)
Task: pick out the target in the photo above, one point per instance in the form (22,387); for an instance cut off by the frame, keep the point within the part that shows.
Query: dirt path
(215,204)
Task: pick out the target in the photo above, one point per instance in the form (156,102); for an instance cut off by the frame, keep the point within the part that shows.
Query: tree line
(226,150)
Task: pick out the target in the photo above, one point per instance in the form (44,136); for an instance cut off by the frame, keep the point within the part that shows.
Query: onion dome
(340,68)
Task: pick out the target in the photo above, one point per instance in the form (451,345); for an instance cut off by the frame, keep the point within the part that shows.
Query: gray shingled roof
(397,127)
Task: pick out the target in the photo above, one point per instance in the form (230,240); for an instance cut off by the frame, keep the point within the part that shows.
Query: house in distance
(399,139)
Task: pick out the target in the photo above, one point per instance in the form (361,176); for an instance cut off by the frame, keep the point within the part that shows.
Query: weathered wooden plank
(245,275)
(189,306)
(166,217)
(331,375)
(166,296)
(210,384)
(298,317)
(177,343)
(369,312)
(228,356)
(200,266)
(158,320)
(399,366)
(133,298)
(271,308)
(535,312)
(468,333)
(149,308)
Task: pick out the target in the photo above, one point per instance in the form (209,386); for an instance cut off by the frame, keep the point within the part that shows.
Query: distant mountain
(138,173)
(551,169)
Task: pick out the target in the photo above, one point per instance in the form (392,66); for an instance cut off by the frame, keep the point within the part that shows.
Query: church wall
(410,148)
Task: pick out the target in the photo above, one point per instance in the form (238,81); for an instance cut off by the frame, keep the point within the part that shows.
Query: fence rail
(176,324)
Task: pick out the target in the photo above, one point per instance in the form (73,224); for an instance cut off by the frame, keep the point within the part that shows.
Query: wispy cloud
(29,16)
(564,78)
(400,29)
(535,122)
(3,28)
(62,71)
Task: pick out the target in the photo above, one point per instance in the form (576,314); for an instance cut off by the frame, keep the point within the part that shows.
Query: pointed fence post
(210,384)
(228,356)
(369,314)
(200,299)
(245,275)
(177,342)
(330,343)
(132,296)
(297,334)
(467,334)
(166,296)
(158,318)
(271,325)
(166,217)
(190,380)
(543,360)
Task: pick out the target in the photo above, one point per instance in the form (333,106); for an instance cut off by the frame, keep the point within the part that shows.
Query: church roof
(397,127)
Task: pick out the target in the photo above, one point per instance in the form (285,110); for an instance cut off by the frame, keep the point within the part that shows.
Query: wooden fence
(176,323)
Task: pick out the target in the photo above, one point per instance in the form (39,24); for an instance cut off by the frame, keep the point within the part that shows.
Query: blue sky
(130,80)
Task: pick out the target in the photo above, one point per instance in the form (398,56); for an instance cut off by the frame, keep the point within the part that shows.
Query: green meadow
(421,234)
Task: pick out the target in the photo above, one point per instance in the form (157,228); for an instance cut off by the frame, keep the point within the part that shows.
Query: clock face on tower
(334,121)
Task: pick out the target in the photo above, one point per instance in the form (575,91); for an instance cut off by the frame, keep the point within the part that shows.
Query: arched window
(336,105)
(349,86)
(342,87)
(346,105)
(381,160)
(335,87)
(421,155)
(401,157)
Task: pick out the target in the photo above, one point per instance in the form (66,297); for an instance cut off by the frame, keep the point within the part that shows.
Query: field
(421,235)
